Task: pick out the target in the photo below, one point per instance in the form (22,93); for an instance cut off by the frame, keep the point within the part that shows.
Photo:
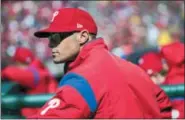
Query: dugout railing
(12,103)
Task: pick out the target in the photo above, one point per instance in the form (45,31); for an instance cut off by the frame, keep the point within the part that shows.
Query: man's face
(157,78)
(65,47)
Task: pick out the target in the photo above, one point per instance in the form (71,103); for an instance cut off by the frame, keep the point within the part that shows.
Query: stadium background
(129,27)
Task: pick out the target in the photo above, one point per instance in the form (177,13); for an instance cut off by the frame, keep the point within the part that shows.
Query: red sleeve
(52,85)
(67,103)
(22,76)
(163,102)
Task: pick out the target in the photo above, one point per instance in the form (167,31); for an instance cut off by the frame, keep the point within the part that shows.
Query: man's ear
(83,37)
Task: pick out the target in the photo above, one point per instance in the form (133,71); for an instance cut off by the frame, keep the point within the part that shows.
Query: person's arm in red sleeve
(25,77)
(163,102)
(75,99)
(68,103)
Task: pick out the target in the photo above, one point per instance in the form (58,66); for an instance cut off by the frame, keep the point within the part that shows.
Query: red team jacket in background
(36,78)
(174,55)
(100,85)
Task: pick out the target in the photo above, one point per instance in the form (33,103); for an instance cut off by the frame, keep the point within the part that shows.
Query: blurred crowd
(127,26)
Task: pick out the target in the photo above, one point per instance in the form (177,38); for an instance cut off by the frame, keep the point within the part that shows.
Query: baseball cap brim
(47,32)
(43,33)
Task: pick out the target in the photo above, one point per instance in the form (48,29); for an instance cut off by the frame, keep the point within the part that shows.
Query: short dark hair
(93,36)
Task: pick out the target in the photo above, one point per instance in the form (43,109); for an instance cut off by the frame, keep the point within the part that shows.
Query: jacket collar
(97,43)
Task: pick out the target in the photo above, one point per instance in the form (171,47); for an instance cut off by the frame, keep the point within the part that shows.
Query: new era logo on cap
(79,25)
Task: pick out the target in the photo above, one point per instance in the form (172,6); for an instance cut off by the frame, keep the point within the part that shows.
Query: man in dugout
(96,83)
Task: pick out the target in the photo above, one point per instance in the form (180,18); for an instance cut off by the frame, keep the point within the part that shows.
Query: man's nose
(54,50)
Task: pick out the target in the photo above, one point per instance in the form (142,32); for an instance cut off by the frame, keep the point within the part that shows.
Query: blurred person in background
(31,74)
(173,53)
(152,63)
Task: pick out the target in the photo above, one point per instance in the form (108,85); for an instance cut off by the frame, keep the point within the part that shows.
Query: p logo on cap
(54,15)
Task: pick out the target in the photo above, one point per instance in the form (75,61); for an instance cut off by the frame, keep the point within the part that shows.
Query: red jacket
(174,55)
(100,85)
(35,78)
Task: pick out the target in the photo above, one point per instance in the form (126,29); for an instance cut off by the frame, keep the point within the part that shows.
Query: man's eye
(58,41)
(54,40)
(53,44)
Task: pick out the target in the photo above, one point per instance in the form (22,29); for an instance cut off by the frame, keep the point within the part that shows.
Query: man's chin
(58,62)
